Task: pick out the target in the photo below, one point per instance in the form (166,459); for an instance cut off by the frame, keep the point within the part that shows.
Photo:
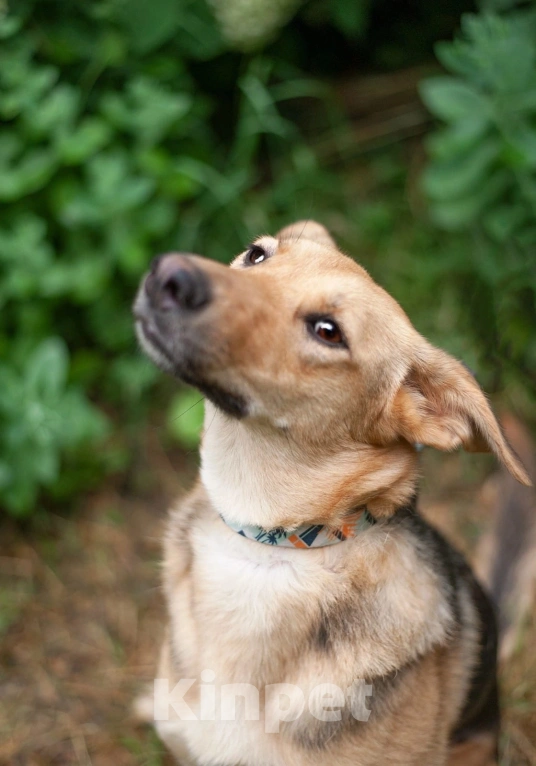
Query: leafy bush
(40,416)
(481,181)
(115,148)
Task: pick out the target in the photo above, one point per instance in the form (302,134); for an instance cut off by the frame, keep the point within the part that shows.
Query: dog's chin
(154,348)
(188,372)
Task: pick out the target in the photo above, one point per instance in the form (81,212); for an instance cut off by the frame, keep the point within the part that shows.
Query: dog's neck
(257,474)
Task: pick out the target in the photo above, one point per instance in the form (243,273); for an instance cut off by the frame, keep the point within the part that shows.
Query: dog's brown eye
(255,255)
(327,331)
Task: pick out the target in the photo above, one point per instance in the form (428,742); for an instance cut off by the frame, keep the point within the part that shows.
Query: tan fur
(478,752)
(327,431)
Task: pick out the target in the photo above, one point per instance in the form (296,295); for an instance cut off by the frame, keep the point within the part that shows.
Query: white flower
(247,24)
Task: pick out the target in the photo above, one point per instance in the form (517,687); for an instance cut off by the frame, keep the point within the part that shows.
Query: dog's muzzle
(174,291)
(172,328)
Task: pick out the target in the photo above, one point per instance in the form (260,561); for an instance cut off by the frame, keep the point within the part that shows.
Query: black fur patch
(229,402)
(481,709)
(436,552)
(321,637)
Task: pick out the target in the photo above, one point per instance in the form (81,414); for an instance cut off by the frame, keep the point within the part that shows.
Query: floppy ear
(441,405)
(310,230)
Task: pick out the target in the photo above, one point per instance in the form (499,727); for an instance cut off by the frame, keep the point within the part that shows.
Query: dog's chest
(249,611)
(253,615)
(247,596)
(243,612)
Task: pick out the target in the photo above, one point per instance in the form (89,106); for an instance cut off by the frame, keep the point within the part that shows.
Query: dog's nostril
(187,288)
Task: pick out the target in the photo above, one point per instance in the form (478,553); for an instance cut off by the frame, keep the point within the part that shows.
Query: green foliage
(114,149)
(41,416)
(481,179)
(185,417)
(487,152)
(349,16)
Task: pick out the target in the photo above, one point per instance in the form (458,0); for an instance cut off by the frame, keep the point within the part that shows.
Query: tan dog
(318,387)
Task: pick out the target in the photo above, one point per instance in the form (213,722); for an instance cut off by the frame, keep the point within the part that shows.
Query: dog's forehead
(301,269)
(316,269)
(304,259)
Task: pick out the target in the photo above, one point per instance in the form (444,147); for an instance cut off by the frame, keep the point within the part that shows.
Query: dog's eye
(327,331)
(255,255)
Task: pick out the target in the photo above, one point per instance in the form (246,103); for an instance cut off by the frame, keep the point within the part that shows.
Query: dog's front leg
(169,731)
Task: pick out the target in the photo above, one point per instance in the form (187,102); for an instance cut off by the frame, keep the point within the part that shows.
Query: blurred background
(132,127)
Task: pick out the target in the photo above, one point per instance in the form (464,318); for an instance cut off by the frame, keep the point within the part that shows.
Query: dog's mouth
(150,337)
(153,345)
(184,360)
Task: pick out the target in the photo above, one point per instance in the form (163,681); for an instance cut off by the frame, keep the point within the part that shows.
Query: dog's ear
(440,404)
(310,230)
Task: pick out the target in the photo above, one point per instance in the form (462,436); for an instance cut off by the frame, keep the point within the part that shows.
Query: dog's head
(296,336)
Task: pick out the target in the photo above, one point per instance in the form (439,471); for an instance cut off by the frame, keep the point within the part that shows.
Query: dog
(298,572)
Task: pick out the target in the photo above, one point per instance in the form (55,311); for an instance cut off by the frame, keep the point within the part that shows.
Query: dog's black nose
(187,288)
(175,281)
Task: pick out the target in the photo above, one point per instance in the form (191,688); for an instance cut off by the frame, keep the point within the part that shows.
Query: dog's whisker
(173,420)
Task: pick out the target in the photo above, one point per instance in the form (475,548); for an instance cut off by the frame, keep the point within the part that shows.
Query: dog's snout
(187,288)
(175,281)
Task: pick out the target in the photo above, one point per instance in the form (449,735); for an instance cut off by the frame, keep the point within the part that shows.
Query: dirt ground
(81,613)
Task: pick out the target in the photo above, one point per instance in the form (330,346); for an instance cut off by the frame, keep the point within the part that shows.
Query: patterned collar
(307,535)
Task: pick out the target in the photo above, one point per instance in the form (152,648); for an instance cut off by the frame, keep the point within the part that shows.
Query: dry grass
(81,613)
(84,608)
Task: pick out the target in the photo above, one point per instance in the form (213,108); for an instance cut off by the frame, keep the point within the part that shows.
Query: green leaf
(452,99)
(185,417)
(9,24)
(458,138)
(456,57)
(525,101)
(47,468)
(520,149)
(83,279)
(91,136)
(20,498)
(28,175)
(149,112)
(56,112)
(460,212)
(200,36)
(82,423)
(350,16)
(448,180)
(149,23)
(46,369)
(503,221)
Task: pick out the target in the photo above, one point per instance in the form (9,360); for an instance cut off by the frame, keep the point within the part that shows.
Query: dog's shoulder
(474,618)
